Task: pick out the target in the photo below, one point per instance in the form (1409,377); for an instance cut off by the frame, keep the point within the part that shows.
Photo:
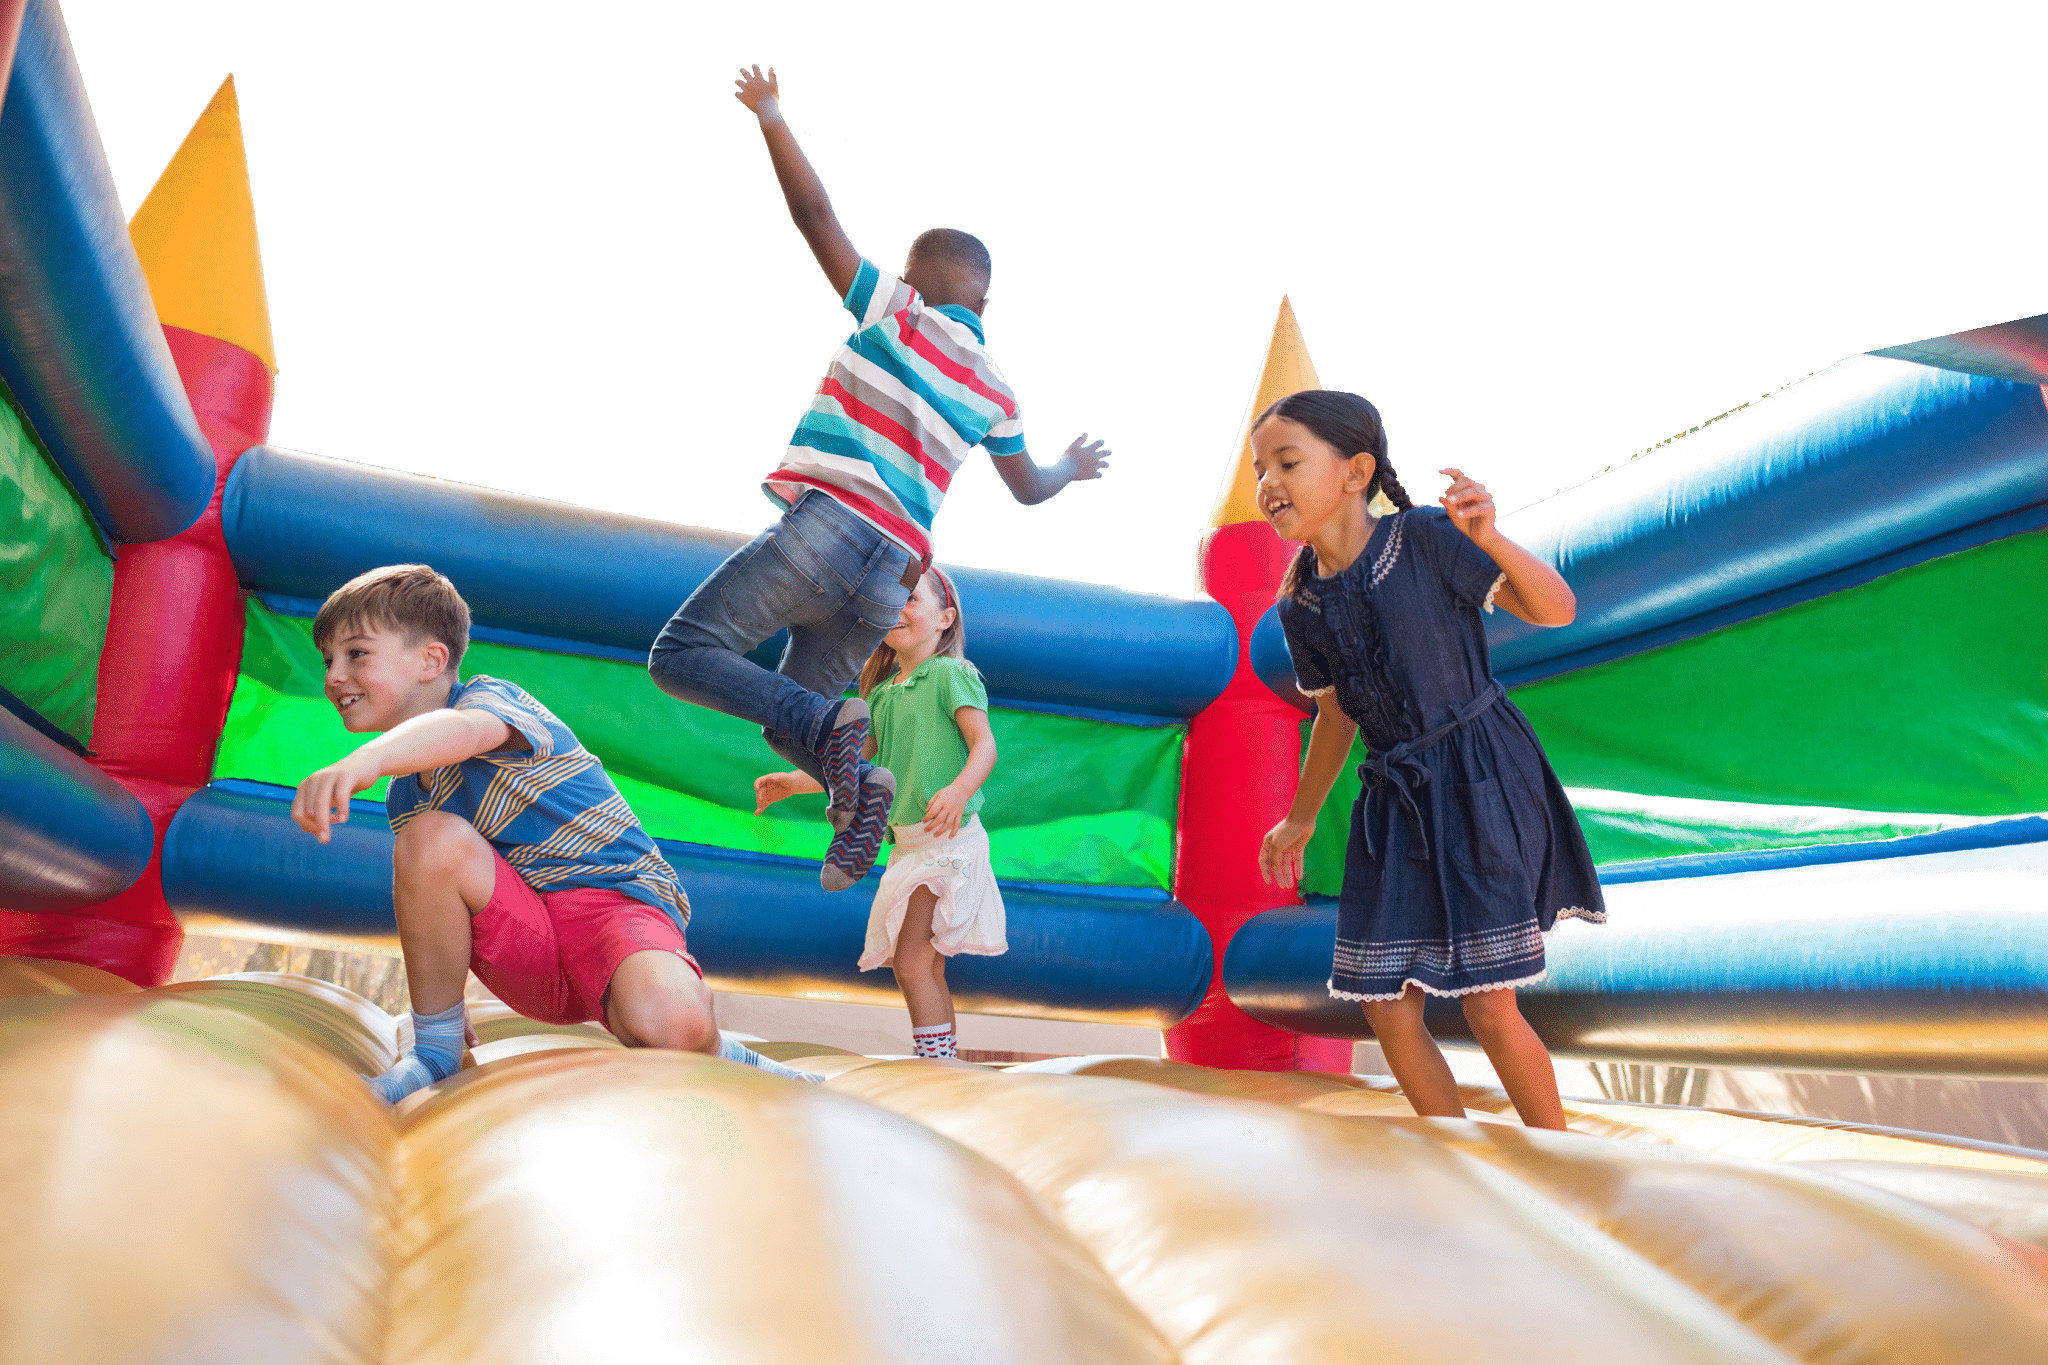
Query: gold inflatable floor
(196,1174)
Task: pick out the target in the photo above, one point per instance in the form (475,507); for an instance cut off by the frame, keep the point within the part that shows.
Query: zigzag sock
(934,1040)
(838,751)
(733,1050)
(856,846)
(436,1054)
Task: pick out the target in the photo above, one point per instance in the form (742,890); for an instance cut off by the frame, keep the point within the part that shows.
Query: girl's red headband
(945,587)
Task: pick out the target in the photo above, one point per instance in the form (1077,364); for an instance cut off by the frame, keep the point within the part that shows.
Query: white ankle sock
(733,1050)
(935,1040)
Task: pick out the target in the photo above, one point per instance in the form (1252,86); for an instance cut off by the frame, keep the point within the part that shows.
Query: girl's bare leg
(1418,1064)
(1518,1056)
(920,968)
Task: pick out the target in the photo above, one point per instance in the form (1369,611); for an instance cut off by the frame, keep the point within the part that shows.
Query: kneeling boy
(514,857)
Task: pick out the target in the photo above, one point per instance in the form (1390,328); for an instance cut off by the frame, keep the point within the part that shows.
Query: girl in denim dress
(1463,849)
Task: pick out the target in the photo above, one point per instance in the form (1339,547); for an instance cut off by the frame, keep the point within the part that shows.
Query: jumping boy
(906,398)
(515,855)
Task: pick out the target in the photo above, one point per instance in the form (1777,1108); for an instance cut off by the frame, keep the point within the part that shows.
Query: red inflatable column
(174,633)
(1243,761)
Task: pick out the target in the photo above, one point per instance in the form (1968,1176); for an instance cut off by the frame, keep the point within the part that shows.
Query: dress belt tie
(1400,771)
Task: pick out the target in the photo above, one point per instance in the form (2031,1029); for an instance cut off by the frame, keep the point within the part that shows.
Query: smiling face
(924,620)
(1303,481)
(376,678)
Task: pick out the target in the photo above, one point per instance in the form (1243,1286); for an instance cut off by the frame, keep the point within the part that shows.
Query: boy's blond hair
(411,599)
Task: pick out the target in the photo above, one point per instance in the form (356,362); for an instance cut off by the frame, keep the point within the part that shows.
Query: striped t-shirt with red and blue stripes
(908,396)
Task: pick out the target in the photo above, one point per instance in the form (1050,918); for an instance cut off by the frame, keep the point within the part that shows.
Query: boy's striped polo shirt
(907,397)
(550,809)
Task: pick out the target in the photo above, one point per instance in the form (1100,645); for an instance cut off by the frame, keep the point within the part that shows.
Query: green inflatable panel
(1071,800)
(1908,704)
(56,583)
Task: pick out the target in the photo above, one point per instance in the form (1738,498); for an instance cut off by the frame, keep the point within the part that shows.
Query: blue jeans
(835,581)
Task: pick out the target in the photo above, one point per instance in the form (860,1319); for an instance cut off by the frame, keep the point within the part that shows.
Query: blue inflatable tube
(70,836)
(1931,963)
(759,925)
(1869,467)
(80,344)
(300,526)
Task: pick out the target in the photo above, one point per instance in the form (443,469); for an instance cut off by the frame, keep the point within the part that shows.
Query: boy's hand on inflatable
(322,799)
(755,87)
(772,787)
(1280,855)
(1468,502)
(1085,461)
(943,812)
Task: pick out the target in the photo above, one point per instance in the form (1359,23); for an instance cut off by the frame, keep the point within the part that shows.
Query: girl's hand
(1470,505)
(772,787)
(1280,854)
(942,813)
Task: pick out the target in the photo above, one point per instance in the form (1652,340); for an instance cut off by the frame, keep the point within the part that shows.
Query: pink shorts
(551,956)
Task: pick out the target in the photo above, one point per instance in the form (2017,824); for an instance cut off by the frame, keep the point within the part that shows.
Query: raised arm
(1031,483)
(805,193)
(433,740)
(1534,591)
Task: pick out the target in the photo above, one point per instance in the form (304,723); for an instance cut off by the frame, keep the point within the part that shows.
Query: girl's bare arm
(1329,746)
(1534,591)
(942,815)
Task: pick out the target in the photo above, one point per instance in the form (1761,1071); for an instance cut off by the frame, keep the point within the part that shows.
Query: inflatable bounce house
(1801,714)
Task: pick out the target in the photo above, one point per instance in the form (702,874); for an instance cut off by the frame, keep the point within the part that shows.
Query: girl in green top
(930,730)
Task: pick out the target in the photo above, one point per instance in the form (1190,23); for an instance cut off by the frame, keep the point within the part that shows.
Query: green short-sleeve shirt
(916,737)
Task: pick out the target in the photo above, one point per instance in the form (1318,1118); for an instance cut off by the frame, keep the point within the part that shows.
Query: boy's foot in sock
(839,754)
(936,1040)
(436,1054)
(855,847)
(733,1050)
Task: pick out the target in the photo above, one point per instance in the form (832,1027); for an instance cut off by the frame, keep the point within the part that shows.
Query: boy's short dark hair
(411,599)
(961,250)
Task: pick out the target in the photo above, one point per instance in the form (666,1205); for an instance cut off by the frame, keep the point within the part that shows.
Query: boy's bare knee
(670,1021)
(656,1001)
(436,841)
(436,847)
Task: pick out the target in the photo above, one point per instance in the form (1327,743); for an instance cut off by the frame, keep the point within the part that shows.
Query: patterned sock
(856,846)
(935,1040)
(733,1050)
(435,1056)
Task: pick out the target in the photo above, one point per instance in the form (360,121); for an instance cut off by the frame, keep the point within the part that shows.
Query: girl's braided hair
(1348,425)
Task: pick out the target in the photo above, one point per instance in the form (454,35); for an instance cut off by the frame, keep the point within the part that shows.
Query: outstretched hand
(754,87)
(1085,461)
(322,799)
(772,787)
(1470,505)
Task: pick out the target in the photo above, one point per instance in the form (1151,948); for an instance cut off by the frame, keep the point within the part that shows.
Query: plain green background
(539,246)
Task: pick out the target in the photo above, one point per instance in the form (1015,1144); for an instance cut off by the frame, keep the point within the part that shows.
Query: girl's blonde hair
(881,665)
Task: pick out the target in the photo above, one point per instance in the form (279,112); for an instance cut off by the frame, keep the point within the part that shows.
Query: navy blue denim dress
(1463,848)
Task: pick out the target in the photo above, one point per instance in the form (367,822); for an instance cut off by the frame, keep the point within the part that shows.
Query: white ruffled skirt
(969,915)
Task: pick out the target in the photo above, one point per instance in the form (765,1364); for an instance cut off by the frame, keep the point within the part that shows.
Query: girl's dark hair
(1350,426)
(881,665)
